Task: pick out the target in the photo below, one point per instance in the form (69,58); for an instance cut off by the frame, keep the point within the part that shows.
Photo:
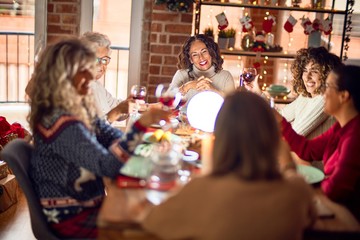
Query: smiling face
(101,68)
(312,78)
(82,80)
(200,56)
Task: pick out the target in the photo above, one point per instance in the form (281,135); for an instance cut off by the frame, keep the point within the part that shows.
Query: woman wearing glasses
(111,108)
(339,147)
(200,68)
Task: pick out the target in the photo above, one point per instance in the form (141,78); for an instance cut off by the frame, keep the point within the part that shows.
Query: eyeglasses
(104,60)
(327,85)
(196,55)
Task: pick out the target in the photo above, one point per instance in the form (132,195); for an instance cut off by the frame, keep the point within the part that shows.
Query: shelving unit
(332,11)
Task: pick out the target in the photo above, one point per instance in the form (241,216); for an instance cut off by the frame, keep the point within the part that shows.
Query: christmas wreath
(176,5)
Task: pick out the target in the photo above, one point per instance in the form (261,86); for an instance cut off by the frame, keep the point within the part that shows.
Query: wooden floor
(15,221)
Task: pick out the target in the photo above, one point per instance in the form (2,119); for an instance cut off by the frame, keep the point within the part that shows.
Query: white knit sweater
(307,116)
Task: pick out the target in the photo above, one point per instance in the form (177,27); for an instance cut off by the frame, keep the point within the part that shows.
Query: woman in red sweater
(339,147)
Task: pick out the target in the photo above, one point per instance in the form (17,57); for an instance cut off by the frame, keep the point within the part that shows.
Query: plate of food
(311,174)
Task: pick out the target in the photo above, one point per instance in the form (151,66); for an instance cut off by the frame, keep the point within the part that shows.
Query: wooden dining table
(115,216)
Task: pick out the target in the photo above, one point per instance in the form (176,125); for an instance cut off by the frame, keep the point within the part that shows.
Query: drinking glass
(248,75)
(138,93)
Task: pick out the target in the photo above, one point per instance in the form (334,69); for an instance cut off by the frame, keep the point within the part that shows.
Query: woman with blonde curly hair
(74,148)
(200,68)
(306,113)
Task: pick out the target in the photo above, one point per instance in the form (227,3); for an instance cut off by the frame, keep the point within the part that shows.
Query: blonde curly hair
(53,82)
(321,57)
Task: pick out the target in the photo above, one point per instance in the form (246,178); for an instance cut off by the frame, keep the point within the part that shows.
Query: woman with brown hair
(246,196)
(309,70)
(200,68)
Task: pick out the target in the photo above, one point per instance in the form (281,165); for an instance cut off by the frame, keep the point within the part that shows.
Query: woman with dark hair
(309,70)
(245,190)
(339,147)
(200,68)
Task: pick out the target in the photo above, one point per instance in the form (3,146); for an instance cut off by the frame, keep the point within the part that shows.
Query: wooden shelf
(237,52)
(280,8)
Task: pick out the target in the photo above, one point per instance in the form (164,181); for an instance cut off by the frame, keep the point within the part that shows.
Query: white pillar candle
(207,145)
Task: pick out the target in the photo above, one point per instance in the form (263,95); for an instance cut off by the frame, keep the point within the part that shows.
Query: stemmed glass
(248,75)
(138,92)
(170,98)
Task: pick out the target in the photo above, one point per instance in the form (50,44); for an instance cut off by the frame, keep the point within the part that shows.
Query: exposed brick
(66,8)
(160,49)
(170,60)
(156,59)
(178,39)
(155,80)
(60,29)
(167,17)
(177,50)
(187,18)
(50,8)
(154,37)
(178,28)
(168,70)
(163,38)
(53,18)
(154,69)
(156,27)
(69,19)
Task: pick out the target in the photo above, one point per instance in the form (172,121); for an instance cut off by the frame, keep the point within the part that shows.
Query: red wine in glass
(138,92)
(167,100)
(139,97)
(248,75)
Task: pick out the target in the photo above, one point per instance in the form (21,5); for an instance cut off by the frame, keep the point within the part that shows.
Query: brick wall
(63,18)
(166,34)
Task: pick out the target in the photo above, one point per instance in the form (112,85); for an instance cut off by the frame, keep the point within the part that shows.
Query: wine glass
(170,98)
(248,75)
(138,93)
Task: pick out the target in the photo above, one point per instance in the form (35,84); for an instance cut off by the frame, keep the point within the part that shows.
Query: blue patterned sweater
(69,161)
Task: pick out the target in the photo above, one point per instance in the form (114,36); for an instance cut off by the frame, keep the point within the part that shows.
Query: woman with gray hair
(111,108)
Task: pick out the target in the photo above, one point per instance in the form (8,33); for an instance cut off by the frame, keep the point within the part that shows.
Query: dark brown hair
(247,138)
(214,51)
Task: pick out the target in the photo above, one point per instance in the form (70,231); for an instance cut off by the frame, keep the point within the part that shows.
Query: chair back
(17,154)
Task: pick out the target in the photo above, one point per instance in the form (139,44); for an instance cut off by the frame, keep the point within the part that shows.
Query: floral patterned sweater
(69,161)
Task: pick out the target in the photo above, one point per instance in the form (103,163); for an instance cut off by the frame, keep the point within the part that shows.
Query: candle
(207,144)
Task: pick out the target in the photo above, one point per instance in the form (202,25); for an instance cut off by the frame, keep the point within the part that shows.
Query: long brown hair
(247,138)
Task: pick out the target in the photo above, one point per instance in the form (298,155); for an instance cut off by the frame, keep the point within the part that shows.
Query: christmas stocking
(289,24)
(222,20)
(307,25)
(326,26)
(268,23)
(246,23)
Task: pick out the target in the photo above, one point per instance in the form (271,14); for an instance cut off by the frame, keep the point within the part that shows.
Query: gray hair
(101,40)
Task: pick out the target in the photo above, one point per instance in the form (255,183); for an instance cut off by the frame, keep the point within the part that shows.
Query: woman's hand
(204,84)
(253,86)
(120,109)
(154,116)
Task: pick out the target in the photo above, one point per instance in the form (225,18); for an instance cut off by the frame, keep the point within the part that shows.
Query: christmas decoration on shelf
(177,5)
(348,28)
(290,23)
(247,23)
(259,43)
(222,21)
(326,26)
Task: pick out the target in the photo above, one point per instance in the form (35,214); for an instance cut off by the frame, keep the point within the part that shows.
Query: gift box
(8,192)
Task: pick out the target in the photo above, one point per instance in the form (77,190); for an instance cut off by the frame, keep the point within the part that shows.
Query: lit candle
(207,144)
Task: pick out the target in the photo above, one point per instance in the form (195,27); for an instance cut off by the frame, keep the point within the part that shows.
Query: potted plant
(209,31)
(222,39)
(230,34)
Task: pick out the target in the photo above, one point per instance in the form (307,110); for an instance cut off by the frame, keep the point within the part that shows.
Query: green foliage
(209,31)
(230,33)
(222,34)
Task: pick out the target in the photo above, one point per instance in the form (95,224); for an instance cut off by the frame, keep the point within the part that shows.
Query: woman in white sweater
(306,112)
(200,68)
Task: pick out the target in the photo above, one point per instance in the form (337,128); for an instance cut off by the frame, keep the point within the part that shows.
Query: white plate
(190,156)
(312,174)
